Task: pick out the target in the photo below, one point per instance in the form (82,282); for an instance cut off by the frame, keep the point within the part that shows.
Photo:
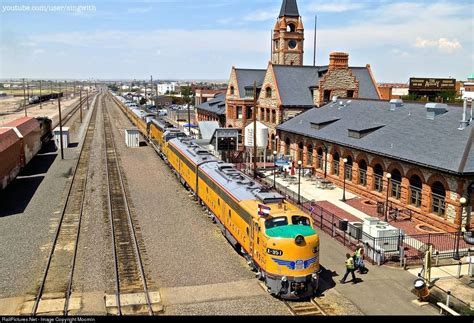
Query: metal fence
(379,250)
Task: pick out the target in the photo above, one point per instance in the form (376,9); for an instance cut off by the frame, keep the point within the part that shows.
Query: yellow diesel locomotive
(275,237)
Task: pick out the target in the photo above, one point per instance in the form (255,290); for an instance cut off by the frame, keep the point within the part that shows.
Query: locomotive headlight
(299,240)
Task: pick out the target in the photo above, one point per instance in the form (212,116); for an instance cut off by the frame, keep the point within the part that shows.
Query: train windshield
(276,222)
(300,220)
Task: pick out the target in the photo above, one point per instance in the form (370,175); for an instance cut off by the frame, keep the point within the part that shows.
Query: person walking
(350,269)
(358,258)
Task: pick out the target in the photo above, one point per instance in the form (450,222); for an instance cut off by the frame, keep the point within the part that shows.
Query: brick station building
(430,160)
(286,87)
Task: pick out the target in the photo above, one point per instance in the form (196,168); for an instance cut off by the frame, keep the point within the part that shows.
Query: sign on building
(429,84)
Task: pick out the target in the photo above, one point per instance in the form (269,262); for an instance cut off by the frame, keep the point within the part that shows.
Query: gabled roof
(216,105)
(295,83)
(246,77)
(289,8)
(406,134)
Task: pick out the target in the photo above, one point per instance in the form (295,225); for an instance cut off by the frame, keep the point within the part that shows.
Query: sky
(203,39)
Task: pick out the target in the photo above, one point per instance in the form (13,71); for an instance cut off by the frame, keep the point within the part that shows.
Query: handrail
(445,308)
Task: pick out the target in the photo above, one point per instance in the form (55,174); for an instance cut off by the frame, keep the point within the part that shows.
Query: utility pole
(65,82)
(80,104)
(87,99)
(24,96)
(255,130)
(41,99)
(60,129)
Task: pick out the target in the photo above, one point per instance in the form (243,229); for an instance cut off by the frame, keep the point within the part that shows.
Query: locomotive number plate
(274,252)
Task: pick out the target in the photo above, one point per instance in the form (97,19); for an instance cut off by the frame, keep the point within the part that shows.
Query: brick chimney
(338,60)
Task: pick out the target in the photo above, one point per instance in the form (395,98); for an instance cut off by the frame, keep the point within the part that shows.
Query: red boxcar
(30,131)
(11,151)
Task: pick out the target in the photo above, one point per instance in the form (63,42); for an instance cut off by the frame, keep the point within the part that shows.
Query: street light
(274,168)
(389,176)
(344,190)
(300,163)
(463,201)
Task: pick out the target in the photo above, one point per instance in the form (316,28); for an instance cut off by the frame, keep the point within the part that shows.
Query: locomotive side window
(276,222)
(300,220)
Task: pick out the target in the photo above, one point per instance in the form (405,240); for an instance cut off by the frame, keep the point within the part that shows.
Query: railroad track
(53,296)
(71,112)
(305,308)
(131,290)
(301,308)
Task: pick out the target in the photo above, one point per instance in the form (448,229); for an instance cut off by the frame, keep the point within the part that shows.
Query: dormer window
(268,92)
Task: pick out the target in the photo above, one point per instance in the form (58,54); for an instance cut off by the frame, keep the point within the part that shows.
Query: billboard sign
(429,84)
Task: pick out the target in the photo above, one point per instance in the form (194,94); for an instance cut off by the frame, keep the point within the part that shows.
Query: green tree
(143,101)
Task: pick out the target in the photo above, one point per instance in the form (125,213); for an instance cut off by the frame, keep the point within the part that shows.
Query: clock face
(292,44)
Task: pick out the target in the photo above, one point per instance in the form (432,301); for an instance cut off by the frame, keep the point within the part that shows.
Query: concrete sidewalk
(384,290)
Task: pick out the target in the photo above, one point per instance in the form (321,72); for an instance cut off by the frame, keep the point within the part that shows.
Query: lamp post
(274,168)
(300,163)
(389,177)
(276,144)
(456,256)
(344,189)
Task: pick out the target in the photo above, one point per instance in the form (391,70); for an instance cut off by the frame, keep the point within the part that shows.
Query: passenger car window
(300,220)
(276,222)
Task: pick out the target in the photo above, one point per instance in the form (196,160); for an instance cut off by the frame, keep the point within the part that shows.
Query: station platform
(376,299)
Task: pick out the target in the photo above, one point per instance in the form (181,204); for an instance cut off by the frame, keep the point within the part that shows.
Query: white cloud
(399,53)
(443,44)
(38,51)
(335,6)
(261,16)
(138,10)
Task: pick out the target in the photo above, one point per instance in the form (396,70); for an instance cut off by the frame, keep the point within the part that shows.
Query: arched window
(438,196)
(348,168)
(272,138)
(363,173)
(291,28)
(268,92)
(378,176)
(300,152)
(320,158)
(415,191)
(335,164)
(232,90)
(309,162)
(287,146)
(396,182)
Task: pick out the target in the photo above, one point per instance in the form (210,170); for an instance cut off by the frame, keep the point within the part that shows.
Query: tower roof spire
(289,8)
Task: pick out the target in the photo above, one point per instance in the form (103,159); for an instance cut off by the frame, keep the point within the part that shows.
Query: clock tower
(288,36)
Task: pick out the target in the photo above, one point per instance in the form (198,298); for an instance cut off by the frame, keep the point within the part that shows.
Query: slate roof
(208,128)
(294,83)
(407,134)
(216,105)
(289,8)
(246,77)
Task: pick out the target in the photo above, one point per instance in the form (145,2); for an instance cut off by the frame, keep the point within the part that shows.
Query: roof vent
(395,103)
(435,109)
(334,99)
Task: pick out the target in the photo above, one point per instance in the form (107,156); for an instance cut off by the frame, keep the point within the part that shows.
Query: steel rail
(110,144)
(58,230)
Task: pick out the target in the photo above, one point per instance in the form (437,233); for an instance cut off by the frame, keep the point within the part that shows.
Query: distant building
(465,89)
(204,94)
(390,91)
(213,110)
(430,160)
(163,101)
(167,88)
(431,88)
